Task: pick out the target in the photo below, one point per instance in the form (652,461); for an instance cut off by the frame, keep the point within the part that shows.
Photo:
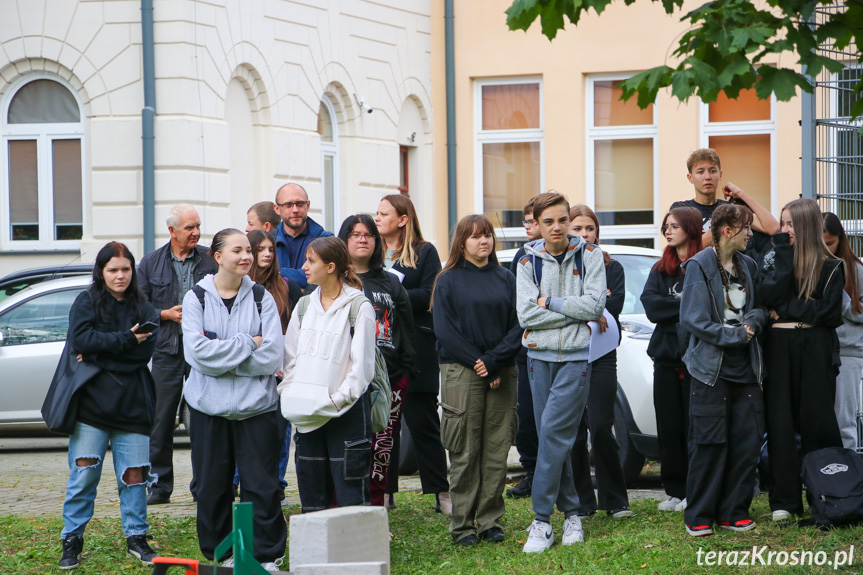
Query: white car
(634,416)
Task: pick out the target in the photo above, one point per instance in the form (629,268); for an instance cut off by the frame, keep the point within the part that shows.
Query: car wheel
(407,453)
(631,460)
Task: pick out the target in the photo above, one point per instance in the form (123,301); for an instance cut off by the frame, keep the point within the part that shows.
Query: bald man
(296,231)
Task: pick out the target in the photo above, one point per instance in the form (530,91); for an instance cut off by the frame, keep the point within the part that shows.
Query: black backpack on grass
(834,486)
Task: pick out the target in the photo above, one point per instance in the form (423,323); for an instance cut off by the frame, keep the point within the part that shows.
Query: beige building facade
(534,115)
(335,95)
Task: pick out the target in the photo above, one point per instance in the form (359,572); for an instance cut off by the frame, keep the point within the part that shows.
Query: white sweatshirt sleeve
(291,341)
(362,367)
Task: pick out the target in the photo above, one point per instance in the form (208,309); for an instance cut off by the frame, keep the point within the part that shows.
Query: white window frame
(748,128)
(631,132)
(331,150)
(505,137)
(44,134)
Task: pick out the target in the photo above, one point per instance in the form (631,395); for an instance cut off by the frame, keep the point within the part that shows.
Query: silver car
(33,326)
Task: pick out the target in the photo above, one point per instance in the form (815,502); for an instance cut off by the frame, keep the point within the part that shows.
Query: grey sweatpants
(847,399)
(559,395)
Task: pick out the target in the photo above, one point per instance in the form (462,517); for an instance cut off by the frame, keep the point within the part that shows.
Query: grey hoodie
(850,333)
(560,333)
(231,377)
(701,314)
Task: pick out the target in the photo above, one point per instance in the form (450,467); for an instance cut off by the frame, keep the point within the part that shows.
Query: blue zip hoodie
(231,377)
(701,313)
(291,251)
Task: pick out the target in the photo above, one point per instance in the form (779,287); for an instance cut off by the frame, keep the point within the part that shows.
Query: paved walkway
(34,471)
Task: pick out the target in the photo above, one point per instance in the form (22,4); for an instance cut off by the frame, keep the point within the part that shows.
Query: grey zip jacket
(232,377)
(850,333)
(702,312)
(560,333)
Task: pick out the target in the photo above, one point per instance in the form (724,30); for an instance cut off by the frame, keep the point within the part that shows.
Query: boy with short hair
(705,173)
(561,286)
(262,216)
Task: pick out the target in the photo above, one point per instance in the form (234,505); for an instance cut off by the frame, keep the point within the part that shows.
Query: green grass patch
(650,542)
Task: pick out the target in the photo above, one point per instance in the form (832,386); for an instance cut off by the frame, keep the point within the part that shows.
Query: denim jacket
(701,313)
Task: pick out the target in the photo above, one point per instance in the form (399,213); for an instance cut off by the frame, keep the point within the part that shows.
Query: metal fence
(835,156)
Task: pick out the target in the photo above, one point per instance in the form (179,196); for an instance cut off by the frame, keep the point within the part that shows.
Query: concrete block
(371,568)
(346,534)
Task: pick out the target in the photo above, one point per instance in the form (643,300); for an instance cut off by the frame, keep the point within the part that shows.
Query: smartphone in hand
(147,327)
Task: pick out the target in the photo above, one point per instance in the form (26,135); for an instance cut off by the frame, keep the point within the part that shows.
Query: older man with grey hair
(165,276)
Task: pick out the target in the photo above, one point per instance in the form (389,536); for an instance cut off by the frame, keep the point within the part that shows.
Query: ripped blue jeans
(129,451)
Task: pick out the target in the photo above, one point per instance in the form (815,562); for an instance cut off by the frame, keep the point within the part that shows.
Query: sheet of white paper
(398,274)
(603,343)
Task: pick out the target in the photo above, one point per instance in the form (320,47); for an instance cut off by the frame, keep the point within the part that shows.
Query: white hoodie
(325,371)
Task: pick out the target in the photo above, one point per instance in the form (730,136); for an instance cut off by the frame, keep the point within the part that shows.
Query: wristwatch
(548,303)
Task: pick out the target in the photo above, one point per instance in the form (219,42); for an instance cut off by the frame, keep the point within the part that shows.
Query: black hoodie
(395,322)
(475,317)
(122,396)
(661,301)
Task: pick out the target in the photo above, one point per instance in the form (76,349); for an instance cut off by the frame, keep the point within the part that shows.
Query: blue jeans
(559,395)
(129,450)
(283,460)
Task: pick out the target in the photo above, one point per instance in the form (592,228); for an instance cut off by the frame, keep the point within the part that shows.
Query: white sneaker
(781,515)
(572,531)
(229,562)
(541,537)
(273,566)
(681,506)
(670,504)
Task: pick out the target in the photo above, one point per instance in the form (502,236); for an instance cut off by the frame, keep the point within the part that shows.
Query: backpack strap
(302,306)
(536,264)
(258,292)
(355,310)
(199,291)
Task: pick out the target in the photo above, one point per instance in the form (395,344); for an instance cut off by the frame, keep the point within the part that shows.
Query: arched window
(42,132)
(328,131)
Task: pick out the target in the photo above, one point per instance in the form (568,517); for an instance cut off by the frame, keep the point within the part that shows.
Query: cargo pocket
(358,459)
(758,406)
(708,424)
(453,428)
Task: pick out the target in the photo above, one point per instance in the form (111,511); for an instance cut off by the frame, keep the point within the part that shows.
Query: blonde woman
(418,261)
(802,285)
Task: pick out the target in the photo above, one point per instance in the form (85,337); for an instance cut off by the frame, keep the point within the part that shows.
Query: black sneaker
(522,489)
(494,535)
(468,541)
(72,547)
(156,498)
(139,549)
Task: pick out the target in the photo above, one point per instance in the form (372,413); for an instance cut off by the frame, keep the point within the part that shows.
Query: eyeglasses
(358,236)
(526,223)
(674,228)
(289,205)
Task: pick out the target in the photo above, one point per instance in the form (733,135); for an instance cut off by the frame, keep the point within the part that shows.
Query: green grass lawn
(648,543)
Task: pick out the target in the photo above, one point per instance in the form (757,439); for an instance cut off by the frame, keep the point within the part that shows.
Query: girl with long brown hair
(478,338)
(418,262)
(329,364)
(802,285)
(850,333)
(599,412)
(681,228)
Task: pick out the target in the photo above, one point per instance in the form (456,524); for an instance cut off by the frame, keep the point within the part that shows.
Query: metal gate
(832,144)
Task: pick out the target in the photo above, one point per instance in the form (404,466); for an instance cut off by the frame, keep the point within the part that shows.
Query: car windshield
(636,268)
